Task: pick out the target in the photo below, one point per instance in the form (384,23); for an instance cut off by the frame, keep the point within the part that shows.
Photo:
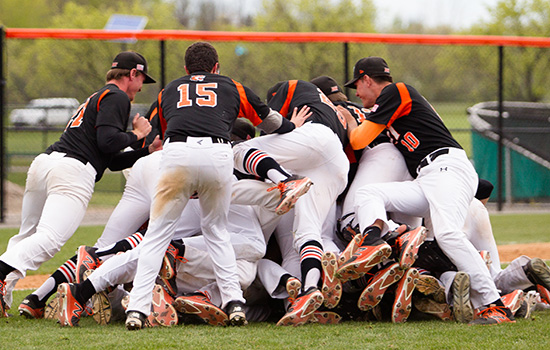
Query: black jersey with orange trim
(411,122)
(109,106)
(205,104)
(299,93)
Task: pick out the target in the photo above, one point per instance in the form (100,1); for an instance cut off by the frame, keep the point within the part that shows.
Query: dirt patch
(507,253)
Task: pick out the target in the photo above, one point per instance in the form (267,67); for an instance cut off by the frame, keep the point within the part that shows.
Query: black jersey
(412,123)
(109,106)
(299,93)
(205,104)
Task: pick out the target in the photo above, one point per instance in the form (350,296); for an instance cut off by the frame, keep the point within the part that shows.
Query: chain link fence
(462,82)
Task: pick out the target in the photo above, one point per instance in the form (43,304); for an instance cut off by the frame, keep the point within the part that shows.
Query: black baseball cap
(131,60)
(372,66)
(326,84)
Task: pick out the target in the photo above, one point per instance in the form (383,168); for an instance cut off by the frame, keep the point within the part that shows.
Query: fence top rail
(410,39)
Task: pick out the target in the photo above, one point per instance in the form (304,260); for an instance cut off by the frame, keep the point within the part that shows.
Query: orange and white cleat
(382,280)
(291,190)
(199,305)
(402,305)
(431,307)
(332,287)
(408,244)
(513,300)
(364,259)
(302,309)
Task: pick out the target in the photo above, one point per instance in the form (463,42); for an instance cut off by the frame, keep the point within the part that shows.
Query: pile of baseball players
(313,210)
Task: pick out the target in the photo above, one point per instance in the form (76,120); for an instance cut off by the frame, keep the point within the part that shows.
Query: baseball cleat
(101,308)
(544,294)
(161,307)
(374,292)
(431,307)
(513,300)
(326,317)
(402,305)
(235,313)
(135,320)
(3,307)
(364,259)
(30,307)
(332,287)
(86,259)
(293,287)
(528,305)
(492,315)
(408,244)
(51,312)
(463,311)
(302,309)
(291,189)
(201,306)
(350,249)
(69,308)
(538,272)
(430,286)
(168,268)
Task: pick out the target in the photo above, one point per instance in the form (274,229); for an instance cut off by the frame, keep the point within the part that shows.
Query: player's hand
(142,127)
(350,120)
(156,145)
(300,117)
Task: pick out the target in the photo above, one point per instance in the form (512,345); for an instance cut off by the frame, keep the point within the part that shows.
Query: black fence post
(499,126)
(346,65)
(2,128)
(162,64)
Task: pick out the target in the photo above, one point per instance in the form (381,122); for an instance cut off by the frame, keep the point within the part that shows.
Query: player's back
(200,104)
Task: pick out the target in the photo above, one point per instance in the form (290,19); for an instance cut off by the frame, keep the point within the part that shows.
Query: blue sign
(126,22)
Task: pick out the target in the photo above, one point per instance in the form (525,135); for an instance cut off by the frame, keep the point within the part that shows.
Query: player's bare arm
(142,127)
(351,122)
(156,145)
(300,117)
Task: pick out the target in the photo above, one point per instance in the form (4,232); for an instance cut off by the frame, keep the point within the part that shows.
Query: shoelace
(491,311)
(280,186)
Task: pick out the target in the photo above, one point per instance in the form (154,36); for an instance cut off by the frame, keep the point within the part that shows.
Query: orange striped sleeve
(101,97)
(364,134)
(291,88)
(246,109)
(406,103)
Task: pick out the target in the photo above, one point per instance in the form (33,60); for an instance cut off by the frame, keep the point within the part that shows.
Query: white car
(45,111)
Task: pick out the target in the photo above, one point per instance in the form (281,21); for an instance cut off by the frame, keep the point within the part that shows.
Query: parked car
(45,111)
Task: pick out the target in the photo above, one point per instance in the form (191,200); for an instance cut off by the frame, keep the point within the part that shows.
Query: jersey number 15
(206,96)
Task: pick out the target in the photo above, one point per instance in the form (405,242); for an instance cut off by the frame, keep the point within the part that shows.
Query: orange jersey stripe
(291,88)
(100,97)
(161,116)
(246,109)
(406,103)
(364,134)
(153,113)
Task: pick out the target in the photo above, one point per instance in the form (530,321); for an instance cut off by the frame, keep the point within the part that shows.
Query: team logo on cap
(198,77)
(334,88)
(139,67)
(387,70)
(114,64)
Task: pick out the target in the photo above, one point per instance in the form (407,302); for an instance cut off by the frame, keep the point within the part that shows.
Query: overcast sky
(457,13)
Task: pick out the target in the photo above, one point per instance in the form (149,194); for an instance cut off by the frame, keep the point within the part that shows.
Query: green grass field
(18,332)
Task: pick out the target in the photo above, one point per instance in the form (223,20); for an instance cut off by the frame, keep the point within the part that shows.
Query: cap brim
(351,83)
(148,79)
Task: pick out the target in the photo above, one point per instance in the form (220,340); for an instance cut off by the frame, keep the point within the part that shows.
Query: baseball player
(60,181)
(197,112)
(314,150)
(444,186)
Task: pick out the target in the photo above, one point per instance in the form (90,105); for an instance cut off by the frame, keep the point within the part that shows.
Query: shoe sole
(64,318)
(51,312)
(408,256)
(382,280)
(541,271)
(101,308)
(161,308)
(302,315)
(332,287)
(30,313)
(210,314)
(326,317)
(430,286)
(293,287)
(291,199)
(350,249)
(432,307)
(354,270)
(463,310)
(513,300)
(402,305)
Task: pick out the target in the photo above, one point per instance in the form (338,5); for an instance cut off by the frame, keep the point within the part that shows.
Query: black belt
(180,138)
(378,142)
(431,157)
